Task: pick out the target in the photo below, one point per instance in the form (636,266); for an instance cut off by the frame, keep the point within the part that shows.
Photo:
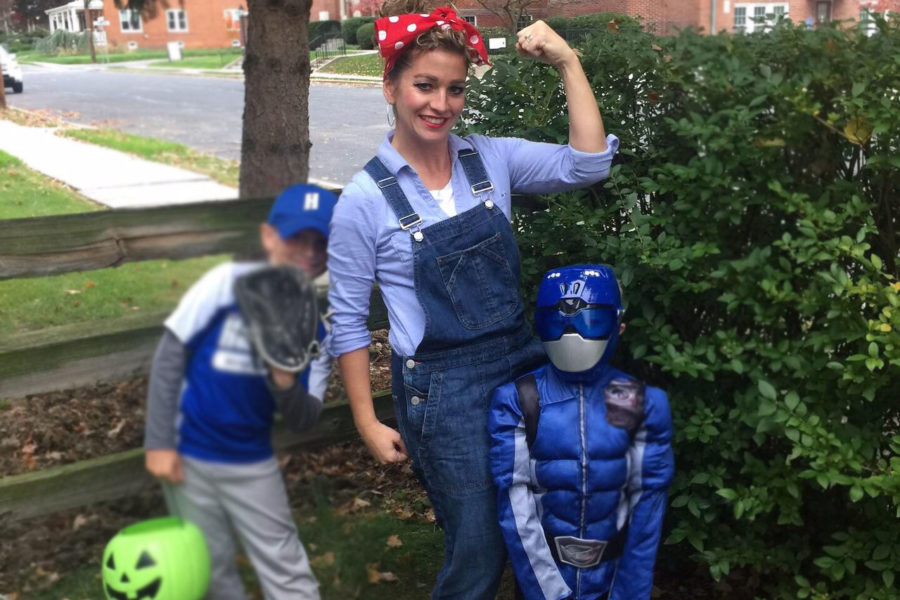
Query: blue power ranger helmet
(579,309)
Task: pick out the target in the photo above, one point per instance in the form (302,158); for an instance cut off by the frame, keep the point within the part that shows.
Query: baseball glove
(280,307)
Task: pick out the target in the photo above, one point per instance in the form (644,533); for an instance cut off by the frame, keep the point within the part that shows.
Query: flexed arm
(539,41)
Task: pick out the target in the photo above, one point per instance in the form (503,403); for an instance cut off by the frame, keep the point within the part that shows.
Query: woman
(428,220)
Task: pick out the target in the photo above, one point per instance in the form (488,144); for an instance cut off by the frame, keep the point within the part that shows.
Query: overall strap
(530,403)
(475,172)
(395,197)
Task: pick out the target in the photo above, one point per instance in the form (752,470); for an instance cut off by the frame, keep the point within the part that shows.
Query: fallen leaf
(657,47)
(322,560)
(117,429)
(73,292)
(360,503)
(394,542)
(80,521)
(89,285)
(388,576)
(613,26)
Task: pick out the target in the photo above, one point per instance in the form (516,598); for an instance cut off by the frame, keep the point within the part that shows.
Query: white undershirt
(444,198)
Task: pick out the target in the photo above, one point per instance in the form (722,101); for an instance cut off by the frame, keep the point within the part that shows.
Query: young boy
(580,452)
(210,408)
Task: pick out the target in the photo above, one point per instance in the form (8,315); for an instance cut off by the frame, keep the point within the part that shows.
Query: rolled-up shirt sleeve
(351,270)
(542,168)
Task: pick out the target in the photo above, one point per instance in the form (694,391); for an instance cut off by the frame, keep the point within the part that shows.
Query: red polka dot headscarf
(394,34)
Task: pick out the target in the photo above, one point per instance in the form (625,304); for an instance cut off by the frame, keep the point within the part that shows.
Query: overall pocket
(480,283)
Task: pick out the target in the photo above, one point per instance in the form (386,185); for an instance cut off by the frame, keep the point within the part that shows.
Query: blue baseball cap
(302,206)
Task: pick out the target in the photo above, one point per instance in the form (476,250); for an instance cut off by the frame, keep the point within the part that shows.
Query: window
(866,23)
(232,19)
(740,18)
(750,17)
(176,19)
(823,12)
(471,19)
(130,21)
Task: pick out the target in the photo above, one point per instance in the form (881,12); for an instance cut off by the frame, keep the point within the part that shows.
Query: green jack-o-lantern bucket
(158,559)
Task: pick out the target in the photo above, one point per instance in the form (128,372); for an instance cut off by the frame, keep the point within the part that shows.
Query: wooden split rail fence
(69,356)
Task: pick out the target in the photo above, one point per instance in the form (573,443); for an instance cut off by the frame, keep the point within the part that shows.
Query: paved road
(346,122)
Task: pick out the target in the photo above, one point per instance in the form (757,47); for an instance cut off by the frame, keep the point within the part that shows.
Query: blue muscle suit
(590,473)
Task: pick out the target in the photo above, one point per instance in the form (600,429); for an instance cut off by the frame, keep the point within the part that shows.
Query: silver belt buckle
(578,552)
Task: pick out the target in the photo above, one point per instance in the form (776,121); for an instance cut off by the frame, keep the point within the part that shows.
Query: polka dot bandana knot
(399,31)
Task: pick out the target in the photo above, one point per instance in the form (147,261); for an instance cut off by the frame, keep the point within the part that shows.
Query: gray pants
(247,502)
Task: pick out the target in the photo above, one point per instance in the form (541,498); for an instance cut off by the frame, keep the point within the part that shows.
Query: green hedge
(320,29)
(752,216)
(351,25)
(365,36)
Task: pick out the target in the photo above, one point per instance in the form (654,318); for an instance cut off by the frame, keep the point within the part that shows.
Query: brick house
(667,16)
(193,23)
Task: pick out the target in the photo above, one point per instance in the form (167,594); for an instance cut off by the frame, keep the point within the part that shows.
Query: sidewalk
(107,176)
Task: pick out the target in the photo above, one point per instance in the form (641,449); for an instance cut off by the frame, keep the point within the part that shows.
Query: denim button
(415,400)
(489,204)
(410,363)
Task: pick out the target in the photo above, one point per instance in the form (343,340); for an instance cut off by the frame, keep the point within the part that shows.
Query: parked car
(12,72)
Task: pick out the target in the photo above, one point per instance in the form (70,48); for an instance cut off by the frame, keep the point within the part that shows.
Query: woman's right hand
(383,442)
(164,464)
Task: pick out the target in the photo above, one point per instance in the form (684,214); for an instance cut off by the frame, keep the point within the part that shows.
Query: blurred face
(428,97)
(307,250)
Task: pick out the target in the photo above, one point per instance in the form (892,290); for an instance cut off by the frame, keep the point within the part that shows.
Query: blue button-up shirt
(367,245)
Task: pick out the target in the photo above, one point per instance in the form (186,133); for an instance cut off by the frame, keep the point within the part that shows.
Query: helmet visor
(591,321)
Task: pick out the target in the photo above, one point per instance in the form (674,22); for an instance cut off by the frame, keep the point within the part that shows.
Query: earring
(390,115)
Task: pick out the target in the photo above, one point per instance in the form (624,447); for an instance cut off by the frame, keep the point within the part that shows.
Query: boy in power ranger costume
(581,452)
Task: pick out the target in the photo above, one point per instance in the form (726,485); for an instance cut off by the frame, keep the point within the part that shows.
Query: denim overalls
(466,275)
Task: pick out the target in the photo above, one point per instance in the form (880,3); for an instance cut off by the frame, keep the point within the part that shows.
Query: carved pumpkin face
(159,559)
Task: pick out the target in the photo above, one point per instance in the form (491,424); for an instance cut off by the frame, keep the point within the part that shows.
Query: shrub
(61,43)
(365,36)
(751,215)
(351,25)
(319,30)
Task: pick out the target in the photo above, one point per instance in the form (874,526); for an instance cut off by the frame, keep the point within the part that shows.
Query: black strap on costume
(530,404)
(409,219)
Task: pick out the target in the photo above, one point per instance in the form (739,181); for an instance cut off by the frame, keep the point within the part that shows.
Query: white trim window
(471,20)
(232,18)
(867,22)
(130,21)
(176,19)
(758,16)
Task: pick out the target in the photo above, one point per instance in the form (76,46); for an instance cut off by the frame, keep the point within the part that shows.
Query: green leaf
(791,400)
(766,389)
(876,262)
(888,578)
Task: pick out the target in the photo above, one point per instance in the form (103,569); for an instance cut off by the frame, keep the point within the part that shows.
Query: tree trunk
(275,141)
(2,90)
(89,29)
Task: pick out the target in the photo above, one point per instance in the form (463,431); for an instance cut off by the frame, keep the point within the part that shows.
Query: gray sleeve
(166,378)
(299,408)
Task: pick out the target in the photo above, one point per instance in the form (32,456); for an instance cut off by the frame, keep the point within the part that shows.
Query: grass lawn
(368,554)
(366,64)
(197,62)
(222,170)
(27,193)
(225,55)
(29,304)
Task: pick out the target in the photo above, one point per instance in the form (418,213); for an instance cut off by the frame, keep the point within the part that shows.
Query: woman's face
(428,96)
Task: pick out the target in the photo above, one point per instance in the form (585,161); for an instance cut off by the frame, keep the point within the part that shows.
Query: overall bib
(466,275)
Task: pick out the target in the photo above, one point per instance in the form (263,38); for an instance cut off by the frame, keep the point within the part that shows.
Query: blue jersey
(226,409)
(581,507)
